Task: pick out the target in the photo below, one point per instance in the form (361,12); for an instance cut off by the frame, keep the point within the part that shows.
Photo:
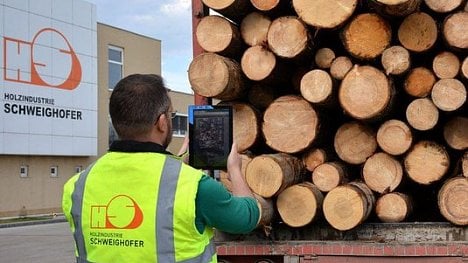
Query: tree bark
(394,137)
(446,65)
(449,94)
(452,199)
(396,7)
(427,162)
(218,35)
(347,206)
(454,30)
(367,36)
(289,38)
(329,175)
(324,13)
(267,210)
(215,76)
(422,114)
(393,207)
(419,82)
(396,60)
(382,173)
(340,67)
(365,93)
(300,204)
(254,29)
(418,32)
(456,133)
(290,124)
(355,142)
(269,174)
(313,157)
(317,87)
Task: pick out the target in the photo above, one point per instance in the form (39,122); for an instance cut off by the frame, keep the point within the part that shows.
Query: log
(422,114)
(235,10)
(448,94)
(260,64)
(366,36)
(426,162)
(446,65)
(218,35)
(464,164)
(453,200)
(347,206)
(395,7)
(418,32)
(464,68)
(355,142)
(272,7)
(340,67)
(267,210)
(393,207)
(254,29)
(365,93)
(269,174)
(382,173)
(396,60)
(454,30)
(445,6)
(289,38)
(261,96)
(290,124)
(300,204)
(394,137)
(313,157)
(317,87)
(329,175)
(456,133)
(324,13)
(324,58)
(246,124)
(419,82)
(215,76)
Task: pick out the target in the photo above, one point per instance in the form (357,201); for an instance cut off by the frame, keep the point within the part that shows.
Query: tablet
(210,136)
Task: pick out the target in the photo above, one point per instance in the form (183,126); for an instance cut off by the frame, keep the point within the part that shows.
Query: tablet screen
(210,136)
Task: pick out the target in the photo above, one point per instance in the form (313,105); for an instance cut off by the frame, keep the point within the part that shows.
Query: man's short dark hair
(136,103)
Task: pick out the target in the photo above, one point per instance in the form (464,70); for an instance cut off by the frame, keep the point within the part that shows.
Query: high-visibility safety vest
(137,207)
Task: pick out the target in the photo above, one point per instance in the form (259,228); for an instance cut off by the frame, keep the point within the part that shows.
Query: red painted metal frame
(198,12)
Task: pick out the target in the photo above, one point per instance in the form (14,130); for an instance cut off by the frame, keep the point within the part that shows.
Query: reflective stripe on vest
(164,216)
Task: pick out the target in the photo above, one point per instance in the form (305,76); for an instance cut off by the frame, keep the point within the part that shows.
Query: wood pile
(345,111)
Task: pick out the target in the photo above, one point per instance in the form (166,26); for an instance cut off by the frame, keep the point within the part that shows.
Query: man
(138,202)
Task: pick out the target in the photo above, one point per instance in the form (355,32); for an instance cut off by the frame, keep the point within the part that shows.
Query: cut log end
(453,200)
(454,30)
(328,176)
(456,133)
(317,86)
(288,37)
(382,173)
(446,65)
(258,63)
(300,204)
(313,158)
(427,162)
(254,29)
(418,32)
(355,142)
(422,114)
(393,207)
(216,34)
(395,60)
(324,13)
(394,137)
(419,82)
(340,67)
(443,6)
(324,58)
(448,94)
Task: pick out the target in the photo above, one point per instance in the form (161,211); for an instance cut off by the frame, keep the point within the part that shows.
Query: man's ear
(161,123)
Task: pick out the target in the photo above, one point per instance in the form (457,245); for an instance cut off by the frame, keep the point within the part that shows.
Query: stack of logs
(354,110)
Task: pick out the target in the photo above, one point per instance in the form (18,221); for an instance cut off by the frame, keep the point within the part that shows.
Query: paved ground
(37,243)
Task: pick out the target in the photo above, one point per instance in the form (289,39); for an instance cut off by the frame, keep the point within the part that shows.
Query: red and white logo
(122,212)
(55,65)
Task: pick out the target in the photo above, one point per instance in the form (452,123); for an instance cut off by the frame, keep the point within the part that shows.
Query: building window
(179,125)
(112,133)
(115,55)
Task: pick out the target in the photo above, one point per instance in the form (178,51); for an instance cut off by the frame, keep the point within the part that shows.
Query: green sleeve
(218,208)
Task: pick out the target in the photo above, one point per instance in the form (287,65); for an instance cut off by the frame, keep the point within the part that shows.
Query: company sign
(49,80)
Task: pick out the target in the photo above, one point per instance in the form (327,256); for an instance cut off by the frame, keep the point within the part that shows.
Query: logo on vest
(122,212)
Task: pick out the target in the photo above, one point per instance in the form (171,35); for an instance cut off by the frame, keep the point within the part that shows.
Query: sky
(167,20)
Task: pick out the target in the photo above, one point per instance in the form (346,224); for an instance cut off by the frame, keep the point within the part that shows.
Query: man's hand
(234,161)
(234,164)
